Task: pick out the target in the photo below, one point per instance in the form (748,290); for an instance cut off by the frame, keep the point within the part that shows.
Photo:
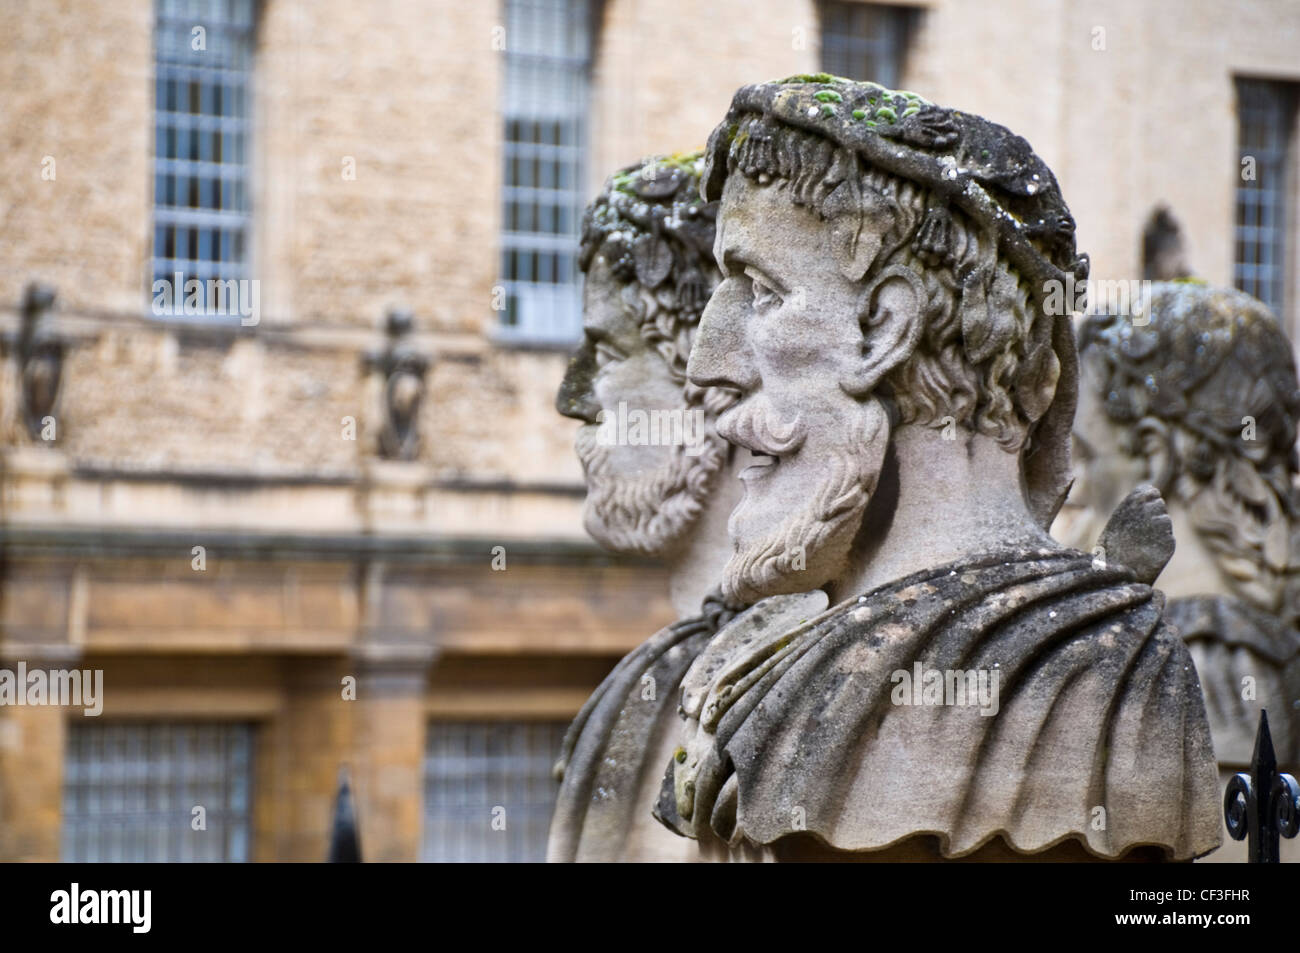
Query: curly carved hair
(655,231)
(985,358)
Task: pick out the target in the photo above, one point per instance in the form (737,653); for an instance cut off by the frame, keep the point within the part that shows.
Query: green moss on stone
(814,78)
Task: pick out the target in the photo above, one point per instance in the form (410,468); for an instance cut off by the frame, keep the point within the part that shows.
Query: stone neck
(938,500)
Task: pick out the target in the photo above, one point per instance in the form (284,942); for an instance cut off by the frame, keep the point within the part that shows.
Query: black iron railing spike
(1264,803)
(345,843)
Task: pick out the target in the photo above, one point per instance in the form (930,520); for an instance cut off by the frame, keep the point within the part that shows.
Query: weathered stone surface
(802,730)
(1203,403)
(1139,534)
(1232,642)
(647,251)
(907,389)
(613,754)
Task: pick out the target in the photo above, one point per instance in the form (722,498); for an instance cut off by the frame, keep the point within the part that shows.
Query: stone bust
(884,317)
(647,254)
(1203,403)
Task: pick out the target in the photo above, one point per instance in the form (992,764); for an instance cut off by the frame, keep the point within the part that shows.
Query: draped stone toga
(1100,734)
(613,754)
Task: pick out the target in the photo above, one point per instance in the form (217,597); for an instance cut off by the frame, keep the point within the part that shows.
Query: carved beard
(645,514)
(810,545)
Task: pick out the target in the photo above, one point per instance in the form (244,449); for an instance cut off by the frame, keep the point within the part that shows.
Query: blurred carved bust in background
(658,484)
(647,445)
(1203,404)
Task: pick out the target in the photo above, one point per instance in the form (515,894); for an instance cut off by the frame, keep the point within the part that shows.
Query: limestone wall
(411,96)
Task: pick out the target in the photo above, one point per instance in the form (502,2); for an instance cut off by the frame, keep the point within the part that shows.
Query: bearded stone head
(885,262)
(647,445)
(1201,402)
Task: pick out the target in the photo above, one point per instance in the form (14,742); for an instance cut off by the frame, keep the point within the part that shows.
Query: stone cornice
(27,542)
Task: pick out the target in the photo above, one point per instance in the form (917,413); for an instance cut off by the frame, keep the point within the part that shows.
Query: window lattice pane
(864,41)
(130,788)
(547,67)
(201,131)
(471,768)
(1265,113)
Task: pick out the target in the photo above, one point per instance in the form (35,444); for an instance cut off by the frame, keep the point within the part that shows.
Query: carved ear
(1154,443)
(890,316)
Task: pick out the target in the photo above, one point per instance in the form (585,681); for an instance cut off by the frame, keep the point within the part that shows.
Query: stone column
(32,743)
(298,758)
(392,659)
(388,765)
(33,737)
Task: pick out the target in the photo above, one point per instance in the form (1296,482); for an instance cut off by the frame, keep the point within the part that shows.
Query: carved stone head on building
(1202,402)
(647,443)
(885,264)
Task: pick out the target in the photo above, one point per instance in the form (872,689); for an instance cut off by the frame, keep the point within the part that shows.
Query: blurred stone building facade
(345,529)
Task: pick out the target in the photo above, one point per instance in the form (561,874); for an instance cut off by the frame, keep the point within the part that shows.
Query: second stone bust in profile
(647,253)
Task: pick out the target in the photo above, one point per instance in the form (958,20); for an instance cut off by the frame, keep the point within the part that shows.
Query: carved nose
(719,354)
(574,398)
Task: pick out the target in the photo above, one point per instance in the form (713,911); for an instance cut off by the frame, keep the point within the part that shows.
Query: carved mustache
(756,426)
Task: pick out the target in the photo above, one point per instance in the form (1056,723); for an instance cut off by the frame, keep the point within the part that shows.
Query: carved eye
(764,296)
(606,354)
